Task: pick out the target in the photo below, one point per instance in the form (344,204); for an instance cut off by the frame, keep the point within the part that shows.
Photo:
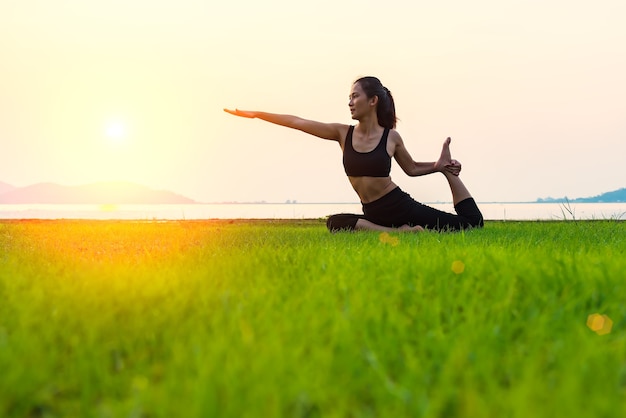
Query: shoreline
(299,211)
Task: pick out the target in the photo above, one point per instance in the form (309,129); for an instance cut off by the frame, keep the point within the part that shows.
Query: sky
(532,93)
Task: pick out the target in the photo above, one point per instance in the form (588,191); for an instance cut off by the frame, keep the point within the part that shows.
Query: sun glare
(115,131)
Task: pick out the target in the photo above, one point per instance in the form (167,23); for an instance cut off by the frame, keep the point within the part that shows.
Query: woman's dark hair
(386,109)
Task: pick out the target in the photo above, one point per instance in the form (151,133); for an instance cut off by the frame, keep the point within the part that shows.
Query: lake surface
(491,211)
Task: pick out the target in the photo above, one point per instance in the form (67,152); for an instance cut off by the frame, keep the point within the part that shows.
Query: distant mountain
(5,187)
(616,196)
(95,193)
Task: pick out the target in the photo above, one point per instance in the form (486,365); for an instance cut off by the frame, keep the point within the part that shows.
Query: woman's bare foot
(407,228)
(364,224)
(445,163)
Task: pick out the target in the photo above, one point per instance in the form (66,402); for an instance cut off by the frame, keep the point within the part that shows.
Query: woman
(367,151)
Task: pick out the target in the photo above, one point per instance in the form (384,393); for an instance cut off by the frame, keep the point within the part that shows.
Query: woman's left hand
(242,113)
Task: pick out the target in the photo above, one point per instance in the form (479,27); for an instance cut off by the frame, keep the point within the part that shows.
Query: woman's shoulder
(394,142)
(344,129)
(394,135)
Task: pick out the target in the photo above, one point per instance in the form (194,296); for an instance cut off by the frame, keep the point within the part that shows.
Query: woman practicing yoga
(367,151)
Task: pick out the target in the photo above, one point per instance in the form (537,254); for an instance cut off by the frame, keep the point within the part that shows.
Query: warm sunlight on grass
(110,242)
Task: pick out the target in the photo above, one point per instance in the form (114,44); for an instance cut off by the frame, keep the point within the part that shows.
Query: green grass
(270,318)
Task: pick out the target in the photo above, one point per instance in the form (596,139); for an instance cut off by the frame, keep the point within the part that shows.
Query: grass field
(281,318)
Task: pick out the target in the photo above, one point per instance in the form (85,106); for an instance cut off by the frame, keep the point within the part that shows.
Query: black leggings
(397,208)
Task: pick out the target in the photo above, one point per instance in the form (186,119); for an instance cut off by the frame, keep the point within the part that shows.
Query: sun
(115,131)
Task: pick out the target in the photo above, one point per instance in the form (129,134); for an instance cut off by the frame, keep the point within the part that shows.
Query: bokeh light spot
(458,266)
(385,238)
(600,324)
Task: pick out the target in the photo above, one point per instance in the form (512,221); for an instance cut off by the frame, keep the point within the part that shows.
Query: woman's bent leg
(464,204)
(350,222)
(342,222)
(469,210)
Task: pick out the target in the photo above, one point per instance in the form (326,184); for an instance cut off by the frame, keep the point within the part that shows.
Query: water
(491,211)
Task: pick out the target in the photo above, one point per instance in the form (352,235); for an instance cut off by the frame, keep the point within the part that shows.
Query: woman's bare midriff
(371,188)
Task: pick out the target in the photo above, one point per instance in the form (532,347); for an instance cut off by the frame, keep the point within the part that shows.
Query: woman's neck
(368,125)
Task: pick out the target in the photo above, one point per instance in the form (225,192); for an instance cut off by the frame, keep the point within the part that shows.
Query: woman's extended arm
(414,169)
(331,131)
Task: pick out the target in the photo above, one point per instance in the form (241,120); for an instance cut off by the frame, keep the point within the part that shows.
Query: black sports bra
(376,163)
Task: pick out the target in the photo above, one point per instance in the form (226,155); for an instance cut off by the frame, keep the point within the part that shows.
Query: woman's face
(359,103)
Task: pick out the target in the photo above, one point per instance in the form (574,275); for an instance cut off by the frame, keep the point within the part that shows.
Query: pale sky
(532,92)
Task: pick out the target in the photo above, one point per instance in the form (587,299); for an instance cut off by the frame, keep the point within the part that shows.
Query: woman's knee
(476,220)
(469,210)
(342,222)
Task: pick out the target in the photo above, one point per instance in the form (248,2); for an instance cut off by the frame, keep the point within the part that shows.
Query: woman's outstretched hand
(242,113)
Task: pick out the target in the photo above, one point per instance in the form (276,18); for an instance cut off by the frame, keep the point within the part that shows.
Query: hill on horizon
(616,196)
(5,187)
(103,193)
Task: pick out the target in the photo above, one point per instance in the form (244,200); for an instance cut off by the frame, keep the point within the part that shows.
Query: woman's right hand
(243,113)
(454,167)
